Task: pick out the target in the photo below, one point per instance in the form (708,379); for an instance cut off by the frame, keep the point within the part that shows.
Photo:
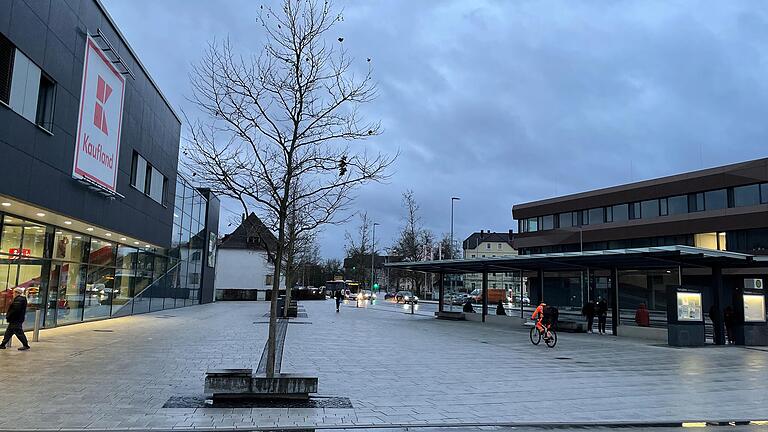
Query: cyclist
(541,323)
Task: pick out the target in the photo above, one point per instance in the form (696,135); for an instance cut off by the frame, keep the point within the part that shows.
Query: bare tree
(414,243)
(287,114)
(357,245)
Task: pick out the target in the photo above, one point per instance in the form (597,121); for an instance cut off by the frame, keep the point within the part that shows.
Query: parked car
(459,298)
(406,297)
(389,295)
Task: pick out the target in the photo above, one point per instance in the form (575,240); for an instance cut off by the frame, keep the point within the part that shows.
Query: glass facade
(73,277)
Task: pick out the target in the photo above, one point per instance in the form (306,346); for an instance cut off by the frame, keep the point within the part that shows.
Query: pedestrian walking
(500,308)
(589,312)
(642,316)
(468,306)
(717,325)
(602,314)
(15,317)
(338,299)
(729,318)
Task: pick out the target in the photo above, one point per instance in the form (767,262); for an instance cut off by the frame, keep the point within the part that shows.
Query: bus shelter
(625,278)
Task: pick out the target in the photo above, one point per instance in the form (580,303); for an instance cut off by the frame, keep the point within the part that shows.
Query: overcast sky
(504,102)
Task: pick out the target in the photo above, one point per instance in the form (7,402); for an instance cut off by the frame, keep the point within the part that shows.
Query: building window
(6,68)
(196,256)
(696,202)
(268,281)
(649,209)
(24,86)
(677,205)
(620,212)
(148,179)
(487,245)
(716,199)
(764,193)
(596,216)
(634,210)
(565,220)
(472,256)
(499,246)
(548,222)
(609,214)
(744,196)
(663,209)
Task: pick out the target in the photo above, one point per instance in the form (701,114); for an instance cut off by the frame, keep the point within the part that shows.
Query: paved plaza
(395,368)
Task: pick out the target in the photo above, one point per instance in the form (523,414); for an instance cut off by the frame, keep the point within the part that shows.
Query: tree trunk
(271,345)
(289,275)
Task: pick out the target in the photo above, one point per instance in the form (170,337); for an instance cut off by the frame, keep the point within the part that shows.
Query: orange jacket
(539,312)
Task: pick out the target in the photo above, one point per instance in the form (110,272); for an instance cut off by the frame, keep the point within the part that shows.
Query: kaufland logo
(103,91)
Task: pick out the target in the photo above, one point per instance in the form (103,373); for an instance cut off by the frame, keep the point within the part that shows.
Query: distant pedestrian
(642,316)
(729,319)
(601,309)
(500,308)
(15,317)
(338,299)
(717,325)
(589,312)
(468,307)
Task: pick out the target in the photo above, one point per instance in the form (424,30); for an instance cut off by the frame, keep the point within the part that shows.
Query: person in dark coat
(338,296)
(717,324)
(601,309)
(589,312)
(15,317)
(500,308)
(468,307)
(729,319)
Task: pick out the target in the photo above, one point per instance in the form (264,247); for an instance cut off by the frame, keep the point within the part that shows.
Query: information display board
(754,308)
(689,306)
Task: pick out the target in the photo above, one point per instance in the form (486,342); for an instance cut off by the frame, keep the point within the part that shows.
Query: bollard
(36,332)
(413,307)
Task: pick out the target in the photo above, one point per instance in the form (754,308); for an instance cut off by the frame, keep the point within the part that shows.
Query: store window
(716,199)
(99,287)
(677,205)
(744,196)
(68,246)
(70,293)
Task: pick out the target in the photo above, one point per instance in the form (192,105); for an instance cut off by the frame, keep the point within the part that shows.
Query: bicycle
(536,336)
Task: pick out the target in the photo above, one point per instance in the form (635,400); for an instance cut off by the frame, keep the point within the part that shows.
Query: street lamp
(453,199)
(373,254)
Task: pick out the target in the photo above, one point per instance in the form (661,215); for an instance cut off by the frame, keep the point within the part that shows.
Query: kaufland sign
(101,114)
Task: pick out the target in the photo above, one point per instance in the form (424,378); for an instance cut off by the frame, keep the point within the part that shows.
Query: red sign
(101,99)
(20,252)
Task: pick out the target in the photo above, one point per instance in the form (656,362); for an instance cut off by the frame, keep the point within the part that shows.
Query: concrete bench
(572,326)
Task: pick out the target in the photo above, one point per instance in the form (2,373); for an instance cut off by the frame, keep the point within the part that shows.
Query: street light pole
(373,254)
(453,199)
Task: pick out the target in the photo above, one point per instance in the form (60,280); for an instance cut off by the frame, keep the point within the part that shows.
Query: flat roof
(634,258)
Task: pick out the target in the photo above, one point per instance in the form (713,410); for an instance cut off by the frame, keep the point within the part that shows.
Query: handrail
(153,283)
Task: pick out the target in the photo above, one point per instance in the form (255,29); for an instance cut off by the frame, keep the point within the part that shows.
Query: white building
(486,244)
(244,261)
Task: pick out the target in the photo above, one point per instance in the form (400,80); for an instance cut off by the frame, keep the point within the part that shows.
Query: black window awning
(662,257)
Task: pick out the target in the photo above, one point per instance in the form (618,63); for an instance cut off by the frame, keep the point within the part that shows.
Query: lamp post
(453,199)
(373,254)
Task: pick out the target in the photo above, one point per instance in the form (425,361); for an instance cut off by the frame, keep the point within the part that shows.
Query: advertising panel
(100,117)
(689,306)
(754,308)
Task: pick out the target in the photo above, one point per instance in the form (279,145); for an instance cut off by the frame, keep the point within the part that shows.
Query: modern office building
(95,219)
(700,236)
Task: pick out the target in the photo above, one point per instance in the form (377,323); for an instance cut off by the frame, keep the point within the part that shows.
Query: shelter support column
(718,303)
(441,293)
(540,275)
(485,294)
(614,296)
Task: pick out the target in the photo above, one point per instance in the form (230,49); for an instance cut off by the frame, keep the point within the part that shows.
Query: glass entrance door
(53,295)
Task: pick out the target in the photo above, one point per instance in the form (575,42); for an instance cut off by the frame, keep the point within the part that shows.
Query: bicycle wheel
(535,336)
(552,341)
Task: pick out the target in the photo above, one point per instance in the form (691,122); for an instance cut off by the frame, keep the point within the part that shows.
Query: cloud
(504,102)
